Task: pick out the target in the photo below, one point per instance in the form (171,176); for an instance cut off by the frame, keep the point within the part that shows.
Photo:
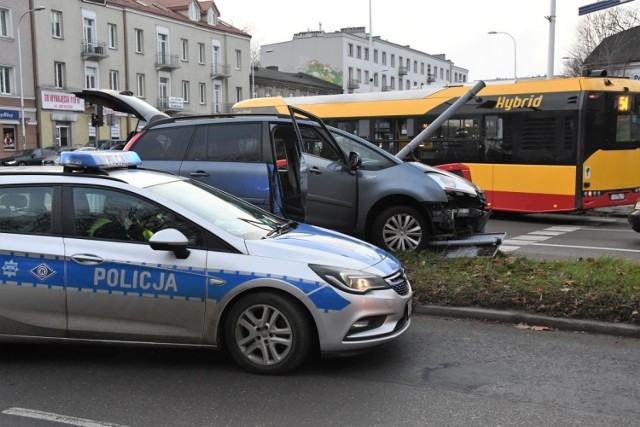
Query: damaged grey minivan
(298,168)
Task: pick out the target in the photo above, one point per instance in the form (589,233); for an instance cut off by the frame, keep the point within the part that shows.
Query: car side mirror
(355,161)
(170,239)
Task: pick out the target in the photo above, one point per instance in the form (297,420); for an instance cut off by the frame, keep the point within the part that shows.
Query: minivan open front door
(332,182)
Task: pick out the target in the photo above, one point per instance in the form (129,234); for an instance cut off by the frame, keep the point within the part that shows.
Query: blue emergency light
(99,159)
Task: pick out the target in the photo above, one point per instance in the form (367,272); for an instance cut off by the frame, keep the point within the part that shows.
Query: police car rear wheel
(400,228)
(267,334)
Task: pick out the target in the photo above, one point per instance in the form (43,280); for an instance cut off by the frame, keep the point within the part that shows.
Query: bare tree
(593,30)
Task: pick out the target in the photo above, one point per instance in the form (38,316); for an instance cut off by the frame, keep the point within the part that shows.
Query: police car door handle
(87,259)
(315,170)
(199,173)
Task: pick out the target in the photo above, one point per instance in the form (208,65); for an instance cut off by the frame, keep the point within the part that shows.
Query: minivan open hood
(124,102)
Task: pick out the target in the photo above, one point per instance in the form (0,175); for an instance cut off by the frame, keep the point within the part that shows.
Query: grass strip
(604,288)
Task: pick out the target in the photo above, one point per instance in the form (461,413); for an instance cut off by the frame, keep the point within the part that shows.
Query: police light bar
(99,159)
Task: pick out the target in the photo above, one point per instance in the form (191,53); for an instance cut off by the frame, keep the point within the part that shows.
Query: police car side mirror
(170,239)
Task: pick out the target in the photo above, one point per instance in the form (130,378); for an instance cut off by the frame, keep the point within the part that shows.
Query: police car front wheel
(268,333)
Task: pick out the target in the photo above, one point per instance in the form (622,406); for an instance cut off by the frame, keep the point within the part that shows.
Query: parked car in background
(634,217)
(55,160)
(32,156)
(105,144)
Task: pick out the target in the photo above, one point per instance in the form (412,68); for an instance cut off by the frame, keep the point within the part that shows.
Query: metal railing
(165,60)
(220,70)
(94,49)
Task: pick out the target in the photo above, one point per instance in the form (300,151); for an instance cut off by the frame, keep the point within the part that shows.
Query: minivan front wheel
(267,333)
(400,228)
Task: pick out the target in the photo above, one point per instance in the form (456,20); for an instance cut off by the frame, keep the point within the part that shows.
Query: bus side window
(497,148)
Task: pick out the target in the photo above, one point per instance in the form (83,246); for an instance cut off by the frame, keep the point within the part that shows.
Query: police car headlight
(350,280)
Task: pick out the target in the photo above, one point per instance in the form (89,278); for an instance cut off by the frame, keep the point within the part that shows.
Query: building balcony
(94,50)
(387,88)
(165,61)
(353,84)
(403,71)
(220,71)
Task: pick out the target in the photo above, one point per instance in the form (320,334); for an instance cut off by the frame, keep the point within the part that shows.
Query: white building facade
(175,54)
(358,63)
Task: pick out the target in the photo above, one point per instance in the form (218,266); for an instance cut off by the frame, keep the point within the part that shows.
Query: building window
(393,60)
(139,41)
(113,36)
(56,24)
(350,49)
(375,55)
(184,50)
(140,85)
(359,52)
(200,53)
(422,68)
(58,74)
(203,93)
(185,90)
(238,60)
(90,77)
(384,58)
(5,22)
(5,80)
(238,94)
(114,80)
(415,66)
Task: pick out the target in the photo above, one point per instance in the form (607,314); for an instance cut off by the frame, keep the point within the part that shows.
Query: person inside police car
(120,221)
(112,224)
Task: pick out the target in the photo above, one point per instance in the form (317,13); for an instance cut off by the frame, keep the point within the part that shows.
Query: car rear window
(163,143)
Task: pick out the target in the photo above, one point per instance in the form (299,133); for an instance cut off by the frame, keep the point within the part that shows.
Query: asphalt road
(441,373)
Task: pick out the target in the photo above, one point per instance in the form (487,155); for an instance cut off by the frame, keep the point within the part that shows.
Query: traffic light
(97,118)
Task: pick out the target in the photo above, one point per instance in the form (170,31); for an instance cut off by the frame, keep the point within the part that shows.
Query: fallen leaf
(540,328)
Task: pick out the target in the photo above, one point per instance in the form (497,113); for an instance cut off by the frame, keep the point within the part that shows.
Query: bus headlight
(352,281)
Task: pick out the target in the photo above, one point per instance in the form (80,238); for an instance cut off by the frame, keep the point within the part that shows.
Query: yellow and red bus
(553,145)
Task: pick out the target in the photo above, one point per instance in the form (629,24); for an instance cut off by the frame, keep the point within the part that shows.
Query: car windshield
(223,210)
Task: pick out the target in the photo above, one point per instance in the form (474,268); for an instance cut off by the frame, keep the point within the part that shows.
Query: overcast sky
(457,28)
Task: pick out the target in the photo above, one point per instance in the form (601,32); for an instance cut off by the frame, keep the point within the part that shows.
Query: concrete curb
(620,329)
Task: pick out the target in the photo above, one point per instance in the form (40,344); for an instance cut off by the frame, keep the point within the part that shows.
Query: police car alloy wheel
(400,228)
(267,333)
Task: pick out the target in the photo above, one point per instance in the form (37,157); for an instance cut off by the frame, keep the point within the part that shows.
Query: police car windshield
(221,209)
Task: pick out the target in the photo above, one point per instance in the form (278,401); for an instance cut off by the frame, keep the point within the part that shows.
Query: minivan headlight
(449,183)
(352,281)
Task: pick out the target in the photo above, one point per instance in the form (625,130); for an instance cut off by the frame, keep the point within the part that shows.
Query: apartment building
(15,28)
(177,55)
(360,63)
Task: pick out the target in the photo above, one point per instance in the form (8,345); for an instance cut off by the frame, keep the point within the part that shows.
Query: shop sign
(61,101)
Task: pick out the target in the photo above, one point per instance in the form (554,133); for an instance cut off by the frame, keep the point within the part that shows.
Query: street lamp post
(515,72)
(24,131)
(253,74)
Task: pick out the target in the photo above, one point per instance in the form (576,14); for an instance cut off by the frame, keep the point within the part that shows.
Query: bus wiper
(282,228)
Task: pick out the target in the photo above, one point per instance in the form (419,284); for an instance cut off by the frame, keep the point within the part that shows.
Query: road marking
(587,247)
(535,238)
(64,419)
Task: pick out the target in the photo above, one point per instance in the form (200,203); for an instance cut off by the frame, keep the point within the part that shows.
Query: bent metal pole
(430,130)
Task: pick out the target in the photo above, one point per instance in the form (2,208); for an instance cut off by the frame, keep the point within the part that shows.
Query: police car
(100,248)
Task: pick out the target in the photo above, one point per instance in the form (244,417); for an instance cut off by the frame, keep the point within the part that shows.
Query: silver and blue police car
(102,249)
